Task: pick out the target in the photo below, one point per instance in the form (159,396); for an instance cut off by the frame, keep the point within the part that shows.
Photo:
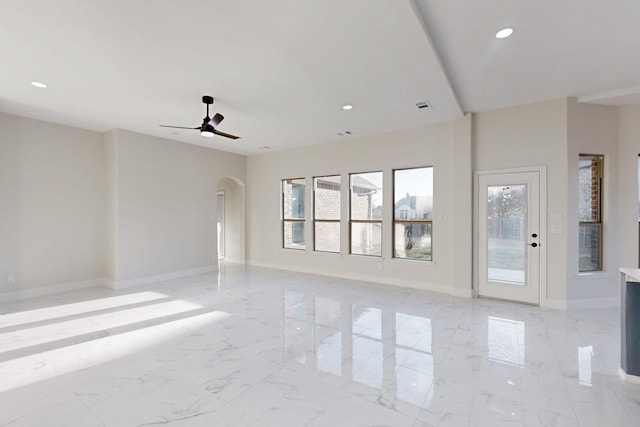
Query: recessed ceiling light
(38,84)
(504,33)
(347,107)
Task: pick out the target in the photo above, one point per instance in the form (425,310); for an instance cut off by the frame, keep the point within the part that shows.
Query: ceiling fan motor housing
(208,126)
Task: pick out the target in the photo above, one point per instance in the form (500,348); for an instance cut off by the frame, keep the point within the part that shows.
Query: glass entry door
(509,236)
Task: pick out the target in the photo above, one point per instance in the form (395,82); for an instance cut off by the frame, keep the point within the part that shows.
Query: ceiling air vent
(423,104)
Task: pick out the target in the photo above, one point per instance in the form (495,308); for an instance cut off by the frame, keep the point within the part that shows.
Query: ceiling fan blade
(216,119)
(177,127)
(226,135)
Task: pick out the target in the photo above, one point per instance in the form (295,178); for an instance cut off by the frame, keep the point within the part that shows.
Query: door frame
(542,173)
(221,239)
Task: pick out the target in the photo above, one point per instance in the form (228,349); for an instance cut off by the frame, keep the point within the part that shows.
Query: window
(326,203)
(412,213)
(293,195)
(365,213)
(590,212)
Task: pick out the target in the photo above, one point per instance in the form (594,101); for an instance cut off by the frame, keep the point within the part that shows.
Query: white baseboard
(555,304)
(131,283)
(583,304)
(462,293)
(605,302)
(433,287)
(634,379)
(109,283)
(21,294)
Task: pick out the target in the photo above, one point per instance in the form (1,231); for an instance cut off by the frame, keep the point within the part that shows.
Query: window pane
(293,202)
(413,194)
(366,238)
(366,195)
(327,197)
(506,239)
(294,235)
(590,236)
(589,188)
(590,212)
(413,241)
(327,236)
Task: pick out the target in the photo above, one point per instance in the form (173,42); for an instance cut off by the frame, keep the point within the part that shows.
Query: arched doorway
(231,220)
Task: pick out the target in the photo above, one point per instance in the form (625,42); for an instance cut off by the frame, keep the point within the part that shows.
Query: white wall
(461,176)
(166,204)
(429,146)
(531,135)
(629,148)
(593,129)
(52,204)
(78,206)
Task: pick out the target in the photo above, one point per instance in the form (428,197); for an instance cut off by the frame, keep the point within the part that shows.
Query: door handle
(533,245)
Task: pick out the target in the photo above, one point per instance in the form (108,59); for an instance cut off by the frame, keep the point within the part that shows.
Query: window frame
(395,221)
(286,220)
(599,158)
(363,221)
(332,221)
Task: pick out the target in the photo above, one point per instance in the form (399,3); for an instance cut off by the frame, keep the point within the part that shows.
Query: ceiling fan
(208,127)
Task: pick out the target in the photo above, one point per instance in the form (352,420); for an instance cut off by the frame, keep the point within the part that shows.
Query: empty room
(319,213)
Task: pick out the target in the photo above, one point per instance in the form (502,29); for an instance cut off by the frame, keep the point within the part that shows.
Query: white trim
(606,96)
(301,251)
(22,294)
(596,275)
(475,236)
(410,261)
(125,284)
(634,379)
(556,304)
(542,188)
(604,302)
(414,284)
(366,258)
(109,283)
(326,253)
(462,293)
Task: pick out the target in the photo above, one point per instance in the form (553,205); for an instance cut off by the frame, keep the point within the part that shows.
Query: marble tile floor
(258,347)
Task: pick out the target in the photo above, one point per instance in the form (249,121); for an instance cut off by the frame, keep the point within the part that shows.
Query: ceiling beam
(615,97)
(418,14)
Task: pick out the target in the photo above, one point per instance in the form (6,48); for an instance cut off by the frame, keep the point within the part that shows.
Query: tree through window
(413,213)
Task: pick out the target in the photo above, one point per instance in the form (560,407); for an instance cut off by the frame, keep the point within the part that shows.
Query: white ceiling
(280,70)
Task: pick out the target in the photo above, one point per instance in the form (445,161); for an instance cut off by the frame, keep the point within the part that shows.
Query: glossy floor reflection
(258,347)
